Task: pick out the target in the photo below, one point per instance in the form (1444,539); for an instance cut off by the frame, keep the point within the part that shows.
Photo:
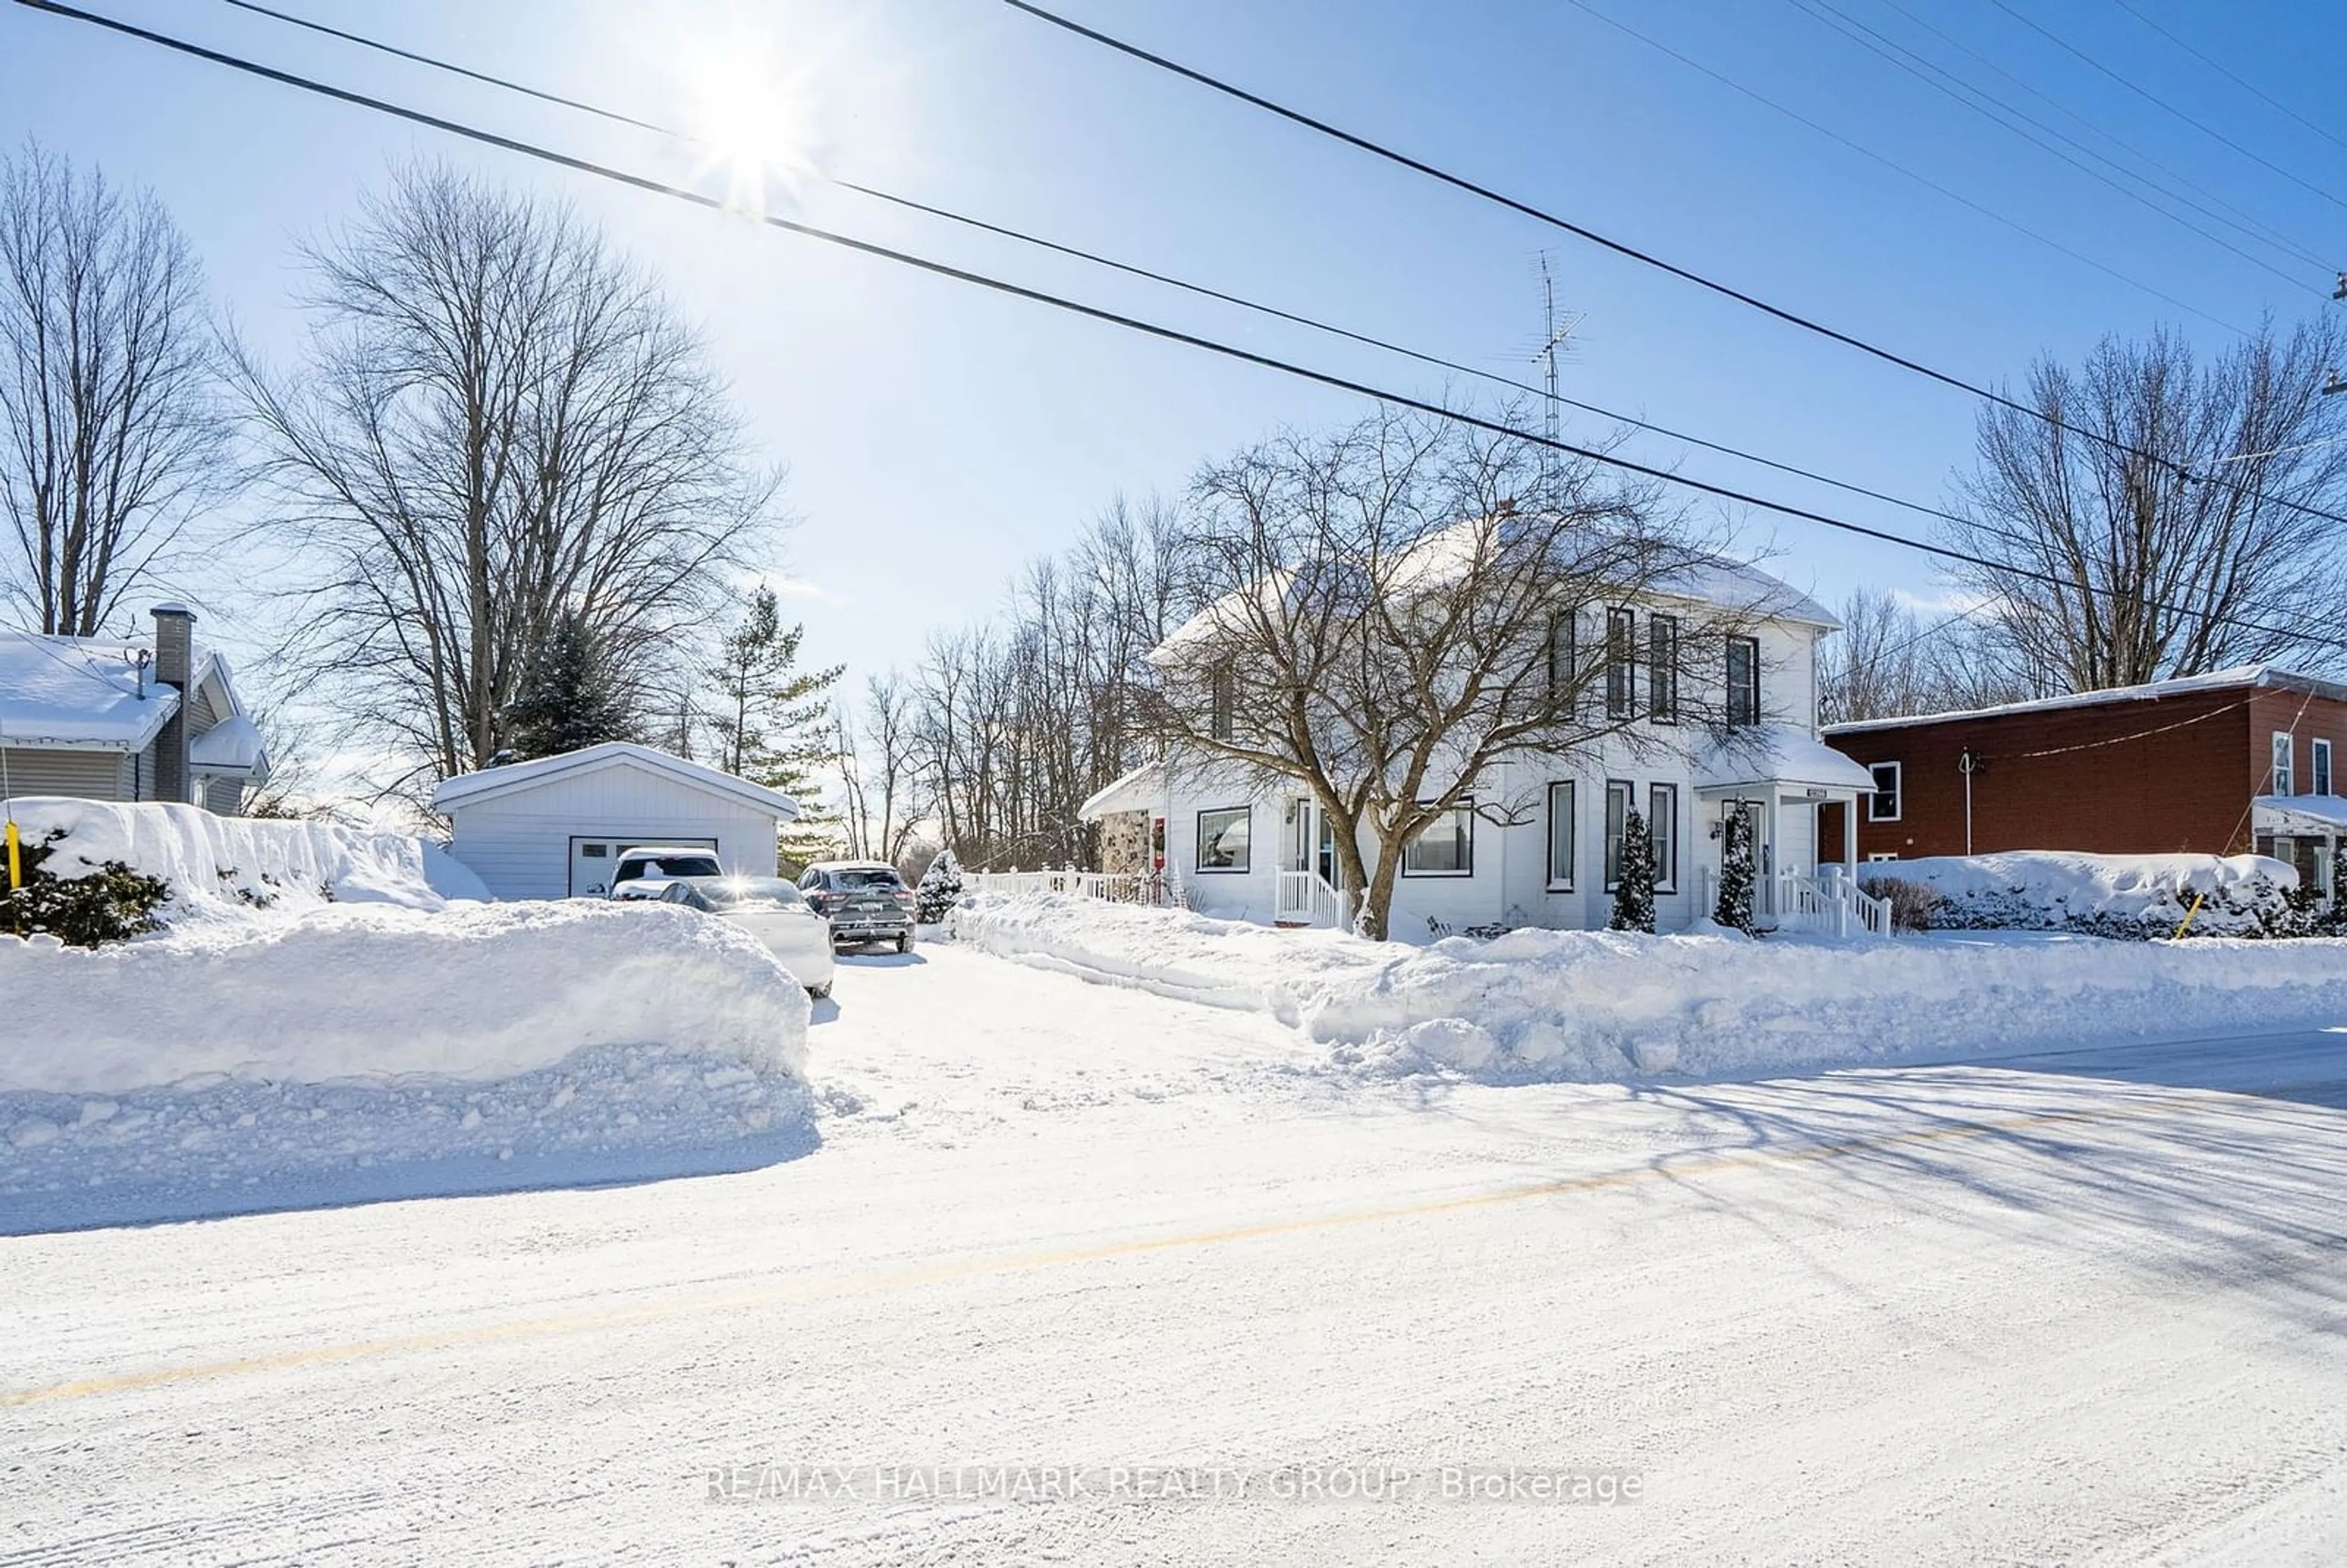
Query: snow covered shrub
(1736,876)
(109,903)
(2132,897)
(939,890)
(1912,903)
(1634,895)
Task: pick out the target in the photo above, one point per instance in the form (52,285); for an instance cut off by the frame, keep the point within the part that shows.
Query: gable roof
(469,789)
(87,692)
(2272,676)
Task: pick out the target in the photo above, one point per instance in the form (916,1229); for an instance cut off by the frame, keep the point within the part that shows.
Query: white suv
(659,862)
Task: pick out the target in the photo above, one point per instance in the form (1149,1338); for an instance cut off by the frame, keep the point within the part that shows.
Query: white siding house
(1539,846)
(550,828)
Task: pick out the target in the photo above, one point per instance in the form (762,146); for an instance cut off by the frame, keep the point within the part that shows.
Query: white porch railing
(1793,901)
(1116,887)
(1305,899)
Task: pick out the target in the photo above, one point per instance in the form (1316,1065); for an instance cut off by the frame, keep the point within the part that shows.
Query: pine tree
(569,696)
(1737,878)
(773,724)
(939,890)
(1634,895)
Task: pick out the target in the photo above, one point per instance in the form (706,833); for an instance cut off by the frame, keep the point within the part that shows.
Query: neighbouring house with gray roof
(126,718)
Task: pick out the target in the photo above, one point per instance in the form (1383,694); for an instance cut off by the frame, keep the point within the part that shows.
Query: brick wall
(2095,778)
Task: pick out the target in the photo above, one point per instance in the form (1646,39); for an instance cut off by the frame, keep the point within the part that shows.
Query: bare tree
(500,423)
(1889,660)
(110,429)
(2149,512)
(1388,624)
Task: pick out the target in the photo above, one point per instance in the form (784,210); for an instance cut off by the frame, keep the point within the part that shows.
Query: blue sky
(939,437)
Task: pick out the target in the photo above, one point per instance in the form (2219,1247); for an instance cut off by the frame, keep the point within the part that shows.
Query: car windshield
(669,865)
(749,892)
(868,876)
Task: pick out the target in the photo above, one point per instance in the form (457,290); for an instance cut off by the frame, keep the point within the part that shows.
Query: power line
(1978,99)
(1378,149)
(2151,98)
(2248,86)
(1095,312)
(2249,223)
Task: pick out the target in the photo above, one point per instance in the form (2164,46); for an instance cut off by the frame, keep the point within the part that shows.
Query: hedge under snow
(1598,1006)
(2138,895)
(289,1048)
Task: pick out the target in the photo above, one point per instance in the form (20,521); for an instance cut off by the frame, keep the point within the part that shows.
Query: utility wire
(1201,290)
(1460,182)
(1095,312)
(2272,235)
(2248,86)
(2151,98)
(1946,83)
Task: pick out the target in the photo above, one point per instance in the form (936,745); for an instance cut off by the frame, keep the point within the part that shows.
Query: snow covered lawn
(1595,1006)
(2077,1307)
(320,1023)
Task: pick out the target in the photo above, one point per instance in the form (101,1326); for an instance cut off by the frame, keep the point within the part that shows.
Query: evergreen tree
(1634,895)
(569,696)
(1736,877)
(772,721)
(939,890)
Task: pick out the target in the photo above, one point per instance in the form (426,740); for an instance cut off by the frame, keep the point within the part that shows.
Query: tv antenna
(1558,327)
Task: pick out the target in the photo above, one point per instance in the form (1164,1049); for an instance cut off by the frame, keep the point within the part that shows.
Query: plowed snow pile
(342,1028)
(1600,1006)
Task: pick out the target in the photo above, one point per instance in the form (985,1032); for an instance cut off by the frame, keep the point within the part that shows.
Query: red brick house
(2223,763)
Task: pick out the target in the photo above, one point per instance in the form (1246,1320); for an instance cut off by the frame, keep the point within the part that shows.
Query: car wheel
(819,993)
(904,943)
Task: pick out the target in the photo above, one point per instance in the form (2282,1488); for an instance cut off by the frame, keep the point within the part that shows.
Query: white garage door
(592,858)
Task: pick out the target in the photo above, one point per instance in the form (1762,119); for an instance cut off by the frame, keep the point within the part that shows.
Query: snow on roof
(83,691)
(1778,754)
(466,789)
(2272,675)
(233,745)
(1136,791)
(2322,812)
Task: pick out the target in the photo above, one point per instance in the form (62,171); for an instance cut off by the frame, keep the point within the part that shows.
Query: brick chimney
(175,658)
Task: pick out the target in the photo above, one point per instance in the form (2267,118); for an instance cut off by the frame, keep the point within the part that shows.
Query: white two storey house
(1539,843)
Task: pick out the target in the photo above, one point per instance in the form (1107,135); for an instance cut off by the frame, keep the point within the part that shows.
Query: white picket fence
(1305,899)
(1114,887)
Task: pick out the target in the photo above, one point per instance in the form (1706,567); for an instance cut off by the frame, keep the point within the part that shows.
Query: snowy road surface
(2075,1308)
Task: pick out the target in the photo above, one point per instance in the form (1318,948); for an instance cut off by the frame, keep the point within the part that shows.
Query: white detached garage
(550,828)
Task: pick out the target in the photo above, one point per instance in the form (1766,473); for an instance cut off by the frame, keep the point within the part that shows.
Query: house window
(1663,669)
(1443,848)
(1560,836)
(1617,814)
(1743,680)
(2285,764)
(1662,823)
(1882,805)
(1219,704)
(2319,764)
(1223,839)
(1621,663)
(1559,659)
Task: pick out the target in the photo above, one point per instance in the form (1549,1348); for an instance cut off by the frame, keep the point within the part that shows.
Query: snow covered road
(2081,1306)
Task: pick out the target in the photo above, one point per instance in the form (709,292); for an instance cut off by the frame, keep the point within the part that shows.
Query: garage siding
(518,845)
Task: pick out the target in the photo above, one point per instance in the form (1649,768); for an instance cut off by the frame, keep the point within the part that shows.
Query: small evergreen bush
(111,903)
(1738,876)
(1634,895)
(939,890)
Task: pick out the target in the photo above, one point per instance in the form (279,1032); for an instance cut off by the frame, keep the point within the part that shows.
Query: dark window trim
(1663,669)
(1898,792)
(1467,805)
(1556,883)
(1666,868)
(1749,689)
(1198,843)
(1621,662)
(1609,871)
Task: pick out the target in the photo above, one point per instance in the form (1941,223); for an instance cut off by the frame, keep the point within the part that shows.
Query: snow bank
(1595,1006)
(2138,895)
(232,868)
(269,1058)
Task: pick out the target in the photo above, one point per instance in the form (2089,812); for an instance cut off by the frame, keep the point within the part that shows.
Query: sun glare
(756,125)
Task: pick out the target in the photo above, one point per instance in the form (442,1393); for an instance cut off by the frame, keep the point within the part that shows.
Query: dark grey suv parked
(866,900)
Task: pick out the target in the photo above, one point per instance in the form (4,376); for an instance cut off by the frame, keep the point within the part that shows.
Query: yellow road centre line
(485,1334)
